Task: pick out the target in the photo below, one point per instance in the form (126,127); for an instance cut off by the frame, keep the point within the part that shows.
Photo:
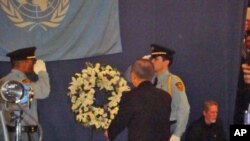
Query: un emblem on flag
(35,13)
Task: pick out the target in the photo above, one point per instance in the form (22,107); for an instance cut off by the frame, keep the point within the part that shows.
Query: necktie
(155,81)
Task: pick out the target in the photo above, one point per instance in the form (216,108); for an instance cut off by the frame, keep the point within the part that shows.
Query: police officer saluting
(23,62)
(162,59)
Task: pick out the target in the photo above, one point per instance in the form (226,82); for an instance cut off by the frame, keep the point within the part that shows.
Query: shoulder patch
(27,81)
(180,86)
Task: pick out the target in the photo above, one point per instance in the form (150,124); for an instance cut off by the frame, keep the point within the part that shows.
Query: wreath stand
(91,133)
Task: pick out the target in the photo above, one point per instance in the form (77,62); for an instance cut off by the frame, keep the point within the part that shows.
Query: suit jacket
(145,111)
(242,98)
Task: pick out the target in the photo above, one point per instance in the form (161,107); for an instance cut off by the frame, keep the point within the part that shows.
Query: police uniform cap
(158,50)
(22,54)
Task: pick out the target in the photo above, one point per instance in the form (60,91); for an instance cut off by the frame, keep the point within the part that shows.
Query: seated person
(208,127)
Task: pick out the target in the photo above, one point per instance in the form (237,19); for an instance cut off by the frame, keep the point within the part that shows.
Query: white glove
(146,57)
(39,66)
(174,138)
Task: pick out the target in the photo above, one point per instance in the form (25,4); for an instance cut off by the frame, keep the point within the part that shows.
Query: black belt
(29,129)
(173,122)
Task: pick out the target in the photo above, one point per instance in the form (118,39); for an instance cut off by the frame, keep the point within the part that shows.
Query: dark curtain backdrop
(206,36)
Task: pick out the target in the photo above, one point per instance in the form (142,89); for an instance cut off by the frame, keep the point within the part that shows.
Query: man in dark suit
(243,90)
(145,110)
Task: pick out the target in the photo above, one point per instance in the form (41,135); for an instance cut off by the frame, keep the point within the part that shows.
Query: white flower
(82,92)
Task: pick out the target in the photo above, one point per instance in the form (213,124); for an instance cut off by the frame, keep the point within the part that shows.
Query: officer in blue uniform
(162,59)
(24,62)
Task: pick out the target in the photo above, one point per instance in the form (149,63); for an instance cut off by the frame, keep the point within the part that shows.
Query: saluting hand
(39,66)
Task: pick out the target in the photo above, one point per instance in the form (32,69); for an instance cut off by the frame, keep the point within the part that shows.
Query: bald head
(143,69)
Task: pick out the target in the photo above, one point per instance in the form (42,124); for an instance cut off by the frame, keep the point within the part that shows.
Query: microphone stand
(18,118)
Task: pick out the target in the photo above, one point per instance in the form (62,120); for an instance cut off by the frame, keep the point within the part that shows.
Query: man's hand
(246,72)
(39,66)
(106,134)
(174,138)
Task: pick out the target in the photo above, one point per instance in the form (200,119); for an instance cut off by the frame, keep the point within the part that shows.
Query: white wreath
(82,91)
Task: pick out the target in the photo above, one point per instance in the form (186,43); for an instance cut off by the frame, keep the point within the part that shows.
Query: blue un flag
(60,29)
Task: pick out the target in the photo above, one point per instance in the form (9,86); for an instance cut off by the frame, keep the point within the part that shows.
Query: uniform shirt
(180,107)
(41,90)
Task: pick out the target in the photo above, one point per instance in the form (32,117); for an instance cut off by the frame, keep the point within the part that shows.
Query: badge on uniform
(180,86)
